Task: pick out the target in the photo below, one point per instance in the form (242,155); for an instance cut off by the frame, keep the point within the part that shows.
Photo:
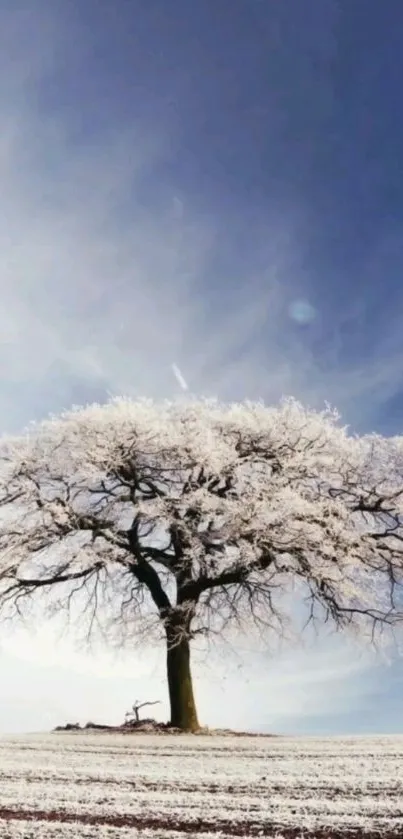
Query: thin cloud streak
(179,377)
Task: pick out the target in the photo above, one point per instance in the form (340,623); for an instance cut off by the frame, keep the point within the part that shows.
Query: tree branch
(57,578)
(144,572)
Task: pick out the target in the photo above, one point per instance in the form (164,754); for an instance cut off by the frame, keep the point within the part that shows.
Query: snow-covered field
(126,786)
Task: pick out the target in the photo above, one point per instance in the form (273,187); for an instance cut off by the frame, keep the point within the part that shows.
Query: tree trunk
(181,697)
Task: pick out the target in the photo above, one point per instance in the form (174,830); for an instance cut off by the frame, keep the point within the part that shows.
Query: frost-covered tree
(175,520)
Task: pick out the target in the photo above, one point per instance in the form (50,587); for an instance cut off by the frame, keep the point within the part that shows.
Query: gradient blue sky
(176,178)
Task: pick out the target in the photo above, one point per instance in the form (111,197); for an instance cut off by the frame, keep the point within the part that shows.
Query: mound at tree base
(154,727)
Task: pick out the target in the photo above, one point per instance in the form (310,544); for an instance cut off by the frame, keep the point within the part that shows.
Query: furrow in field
(36,823)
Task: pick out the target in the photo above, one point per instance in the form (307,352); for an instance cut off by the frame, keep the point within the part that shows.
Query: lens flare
(302,312)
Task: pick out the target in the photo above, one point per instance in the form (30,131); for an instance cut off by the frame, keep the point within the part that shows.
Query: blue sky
(179,181)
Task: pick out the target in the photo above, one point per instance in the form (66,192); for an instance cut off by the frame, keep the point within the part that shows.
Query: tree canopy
(182,518)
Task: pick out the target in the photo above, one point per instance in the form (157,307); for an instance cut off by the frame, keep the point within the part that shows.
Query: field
(103,786)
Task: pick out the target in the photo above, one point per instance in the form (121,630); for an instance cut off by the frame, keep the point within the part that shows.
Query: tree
(175,520)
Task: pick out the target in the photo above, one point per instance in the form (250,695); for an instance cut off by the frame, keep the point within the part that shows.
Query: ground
(120,786)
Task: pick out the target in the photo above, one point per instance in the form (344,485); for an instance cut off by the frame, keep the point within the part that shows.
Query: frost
(229,504)
(199,786)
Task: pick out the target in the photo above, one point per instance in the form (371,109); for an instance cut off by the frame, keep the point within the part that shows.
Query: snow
(203,784)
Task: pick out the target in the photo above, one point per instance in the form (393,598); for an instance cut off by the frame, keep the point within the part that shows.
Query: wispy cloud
(105,284)
(291,689)
(101,291)
(46,647)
